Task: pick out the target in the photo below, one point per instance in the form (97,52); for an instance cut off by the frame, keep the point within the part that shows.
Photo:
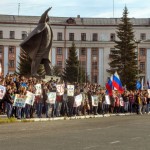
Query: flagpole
(113,8)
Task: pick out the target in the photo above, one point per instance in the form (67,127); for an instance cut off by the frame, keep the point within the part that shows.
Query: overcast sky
(72,8)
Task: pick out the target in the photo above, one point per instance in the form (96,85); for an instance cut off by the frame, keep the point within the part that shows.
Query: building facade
(93,38)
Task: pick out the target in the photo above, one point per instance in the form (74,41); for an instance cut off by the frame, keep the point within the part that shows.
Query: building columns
(101,67)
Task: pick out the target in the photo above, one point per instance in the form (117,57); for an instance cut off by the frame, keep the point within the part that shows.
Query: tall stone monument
(38,45)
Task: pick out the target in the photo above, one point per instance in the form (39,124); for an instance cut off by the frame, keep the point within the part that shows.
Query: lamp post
(138,58)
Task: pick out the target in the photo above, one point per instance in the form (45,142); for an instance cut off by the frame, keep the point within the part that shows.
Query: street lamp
(138,58)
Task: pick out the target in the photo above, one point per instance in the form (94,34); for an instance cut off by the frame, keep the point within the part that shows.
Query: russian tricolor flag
(117,83)
(109,86)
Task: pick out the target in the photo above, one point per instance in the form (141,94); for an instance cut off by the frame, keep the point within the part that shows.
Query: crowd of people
(127,102)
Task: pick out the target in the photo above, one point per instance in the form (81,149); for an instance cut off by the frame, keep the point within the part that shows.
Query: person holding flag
(117,83)
(109,86)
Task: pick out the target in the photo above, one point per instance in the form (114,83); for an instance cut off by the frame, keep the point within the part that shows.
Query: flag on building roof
(109,86)
(117,83)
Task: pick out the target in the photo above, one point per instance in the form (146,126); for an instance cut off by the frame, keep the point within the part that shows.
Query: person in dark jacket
(9,102)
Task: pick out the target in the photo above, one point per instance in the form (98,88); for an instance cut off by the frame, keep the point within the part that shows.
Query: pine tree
(56,71)
(73,72)
(124,57)
(25,65)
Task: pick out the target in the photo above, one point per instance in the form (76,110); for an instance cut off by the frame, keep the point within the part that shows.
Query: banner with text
(94,100)
(19,100)
(77,100)
(60,89)
(30,98)
(51,97)
(70,90)
(2,91)
(38,88)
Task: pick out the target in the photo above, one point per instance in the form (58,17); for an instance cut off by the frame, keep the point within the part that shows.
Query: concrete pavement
(108,133)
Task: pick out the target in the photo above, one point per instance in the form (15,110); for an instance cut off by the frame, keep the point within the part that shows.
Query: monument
(38,45)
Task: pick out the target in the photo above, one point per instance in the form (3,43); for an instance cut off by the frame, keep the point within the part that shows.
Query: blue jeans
(65,109)
(19,112)
(9,109)
(27,110)
(58,108)
(148,107)
(126,106)
(39,109)
(47,107)
(131,107)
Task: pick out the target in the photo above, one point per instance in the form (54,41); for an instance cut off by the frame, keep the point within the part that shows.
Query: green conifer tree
(25,65)
(124,57)
(72,71)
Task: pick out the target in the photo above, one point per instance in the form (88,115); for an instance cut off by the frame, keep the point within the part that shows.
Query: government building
(93,37)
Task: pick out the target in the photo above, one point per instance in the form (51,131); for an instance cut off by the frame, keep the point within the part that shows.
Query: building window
(59,36)
(11,63)
(94,78)
(95,51)
(1,34)
(12,34)
(112,37)
(59,63)
(1,49)
(94,65)
(143,36)
(24,35)
(142,52)
(83,51)
(83,36)
(11,49)
(95,37)
(71,36)
(83,64)
(142,66)
(59,50)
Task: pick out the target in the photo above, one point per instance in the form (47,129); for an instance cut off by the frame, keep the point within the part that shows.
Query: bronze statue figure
(38,45)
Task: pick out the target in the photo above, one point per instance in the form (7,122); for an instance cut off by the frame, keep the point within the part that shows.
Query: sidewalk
(77,117)
(70,118)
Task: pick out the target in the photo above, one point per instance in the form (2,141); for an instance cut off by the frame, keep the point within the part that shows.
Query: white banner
(70,90)
(2,91)
(30,98)
(51,97)
(60,89)
(107,99)
(94,100)
(48,78)
(77,100)
(38,89)
(19,100)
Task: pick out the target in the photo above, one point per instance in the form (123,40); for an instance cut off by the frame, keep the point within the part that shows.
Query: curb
(76,117)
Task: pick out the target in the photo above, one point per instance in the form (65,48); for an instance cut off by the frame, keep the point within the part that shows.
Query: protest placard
(30,98)
(53,78)
(38,89)
(94,100)
(60,89)
(19,100)
(51,97)
(77,100)
(2,91)
(70,90)
(107,99)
